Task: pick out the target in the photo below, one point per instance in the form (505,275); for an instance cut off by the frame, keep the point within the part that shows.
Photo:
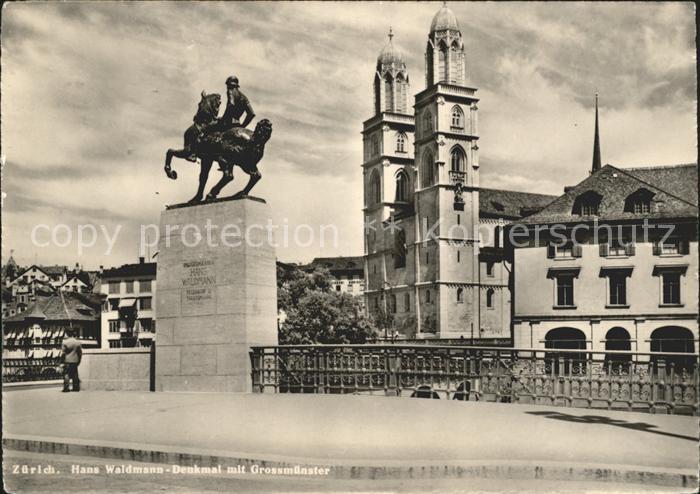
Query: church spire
(596,140)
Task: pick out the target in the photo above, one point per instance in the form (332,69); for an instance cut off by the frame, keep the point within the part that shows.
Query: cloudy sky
(94,93)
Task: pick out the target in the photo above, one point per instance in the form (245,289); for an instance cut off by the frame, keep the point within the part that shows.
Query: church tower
(389,178)
(447,197)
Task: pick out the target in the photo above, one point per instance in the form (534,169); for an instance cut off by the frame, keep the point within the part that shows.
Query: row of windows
(145,303)
(617,289)
(146,324)
(619,248)
(115,286)
(392,300)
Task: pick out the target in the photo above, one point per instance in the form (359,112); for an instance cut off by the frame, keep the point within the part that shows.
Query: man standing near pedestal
(72,352)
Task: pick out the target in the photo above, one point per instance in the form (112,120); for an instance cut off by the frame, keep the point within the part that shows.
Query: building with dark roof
(434,256)
(32,339)
(614,266)
(348,273)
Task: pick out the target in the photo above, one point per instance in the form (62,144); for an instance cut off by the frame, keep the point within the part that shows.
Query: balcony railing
(29,369)
(655,382)
(457,177)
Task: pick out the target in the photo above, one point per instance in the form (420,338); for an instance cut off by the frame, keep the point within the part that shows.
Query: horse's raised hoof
(170,173)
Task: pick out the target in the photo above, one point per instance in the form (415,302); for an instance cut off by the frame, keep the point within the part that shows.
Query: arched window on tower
(455,63)
(457,117)
(377,98)
(401,186)
(375,145)
(401,101)
(427,170)
(457,159)
(489,298)
(442,62)
(427,122)
(389,93)
(375,188)
(400,142)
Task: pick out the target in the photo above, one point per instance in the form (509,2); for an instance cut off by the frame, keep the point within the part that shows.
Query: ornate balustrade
(658,382)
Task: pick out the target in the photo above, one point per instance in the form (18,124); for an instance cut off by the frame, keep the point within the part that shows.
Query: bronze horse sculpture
(230,147)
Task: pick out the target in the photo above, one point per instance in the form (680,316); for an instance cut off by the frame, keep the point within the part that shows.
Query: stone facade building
(347,272)
(433,256)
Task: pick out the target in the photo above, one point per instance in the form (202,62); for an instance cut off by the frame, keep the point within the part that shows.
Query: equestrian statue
(224,140)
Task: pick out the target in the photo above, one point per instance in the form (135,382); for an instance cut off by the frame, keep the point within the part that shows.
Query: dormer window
(587,204)
(639,202)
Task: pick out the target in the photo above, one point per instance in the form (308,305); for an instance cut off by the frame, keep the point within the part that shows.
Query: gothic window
(457,117)
(401,94)
(375,145)
(375,188)
(400,142)
(389,93)
(401,187)
(427,122)
(457,159)
(400,249)
(455,63)
(442,62)
(428,170)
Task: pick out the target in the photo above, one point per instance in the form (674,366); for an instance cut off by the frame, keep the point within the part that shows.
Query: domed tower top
(390,55)
(444,19)
(444,55)
(391,80)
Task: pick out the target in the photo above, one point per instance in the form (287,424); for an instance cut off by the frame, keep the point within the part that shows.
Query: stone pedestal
(217,294)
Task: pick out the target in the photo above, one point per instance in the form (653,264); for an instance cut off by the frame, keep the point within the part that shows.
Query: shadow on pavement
(597,419)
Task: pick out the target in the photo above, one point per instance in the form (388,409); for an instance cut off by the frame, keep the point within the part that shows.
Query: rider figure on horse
(236,104)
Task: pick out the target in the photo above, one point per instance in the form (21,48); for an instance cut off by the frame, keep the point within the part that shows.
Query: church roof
(511,204)
(673,189)
(444,19)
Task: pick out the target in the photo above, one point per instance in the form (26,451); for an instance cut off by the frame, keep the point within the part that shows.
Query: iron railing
(655,382)
(27,369)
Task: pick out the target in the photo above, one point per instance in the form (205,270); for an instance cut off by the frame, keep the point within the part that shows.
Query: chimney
(142,260)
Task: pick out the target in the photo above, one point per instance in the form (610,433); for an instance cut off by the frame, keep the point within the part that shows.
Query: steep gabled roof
(672,188)
(61,306)
(510,204)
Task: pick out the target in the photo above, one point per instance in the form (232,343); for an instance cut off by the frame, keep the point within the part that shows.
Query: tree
(317,314)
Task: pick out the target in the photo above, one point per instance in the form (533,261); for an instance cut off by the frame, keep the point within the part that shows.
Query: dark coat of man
(72,352)
(236,104)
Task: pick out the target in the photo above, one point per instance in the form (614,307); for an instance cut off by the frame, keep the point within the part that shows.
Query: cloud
(95,93)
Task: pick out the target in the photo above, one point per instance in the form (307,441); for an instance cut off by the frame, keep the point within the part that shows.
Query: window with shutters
(671,247)
(566,250)
(617,247)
